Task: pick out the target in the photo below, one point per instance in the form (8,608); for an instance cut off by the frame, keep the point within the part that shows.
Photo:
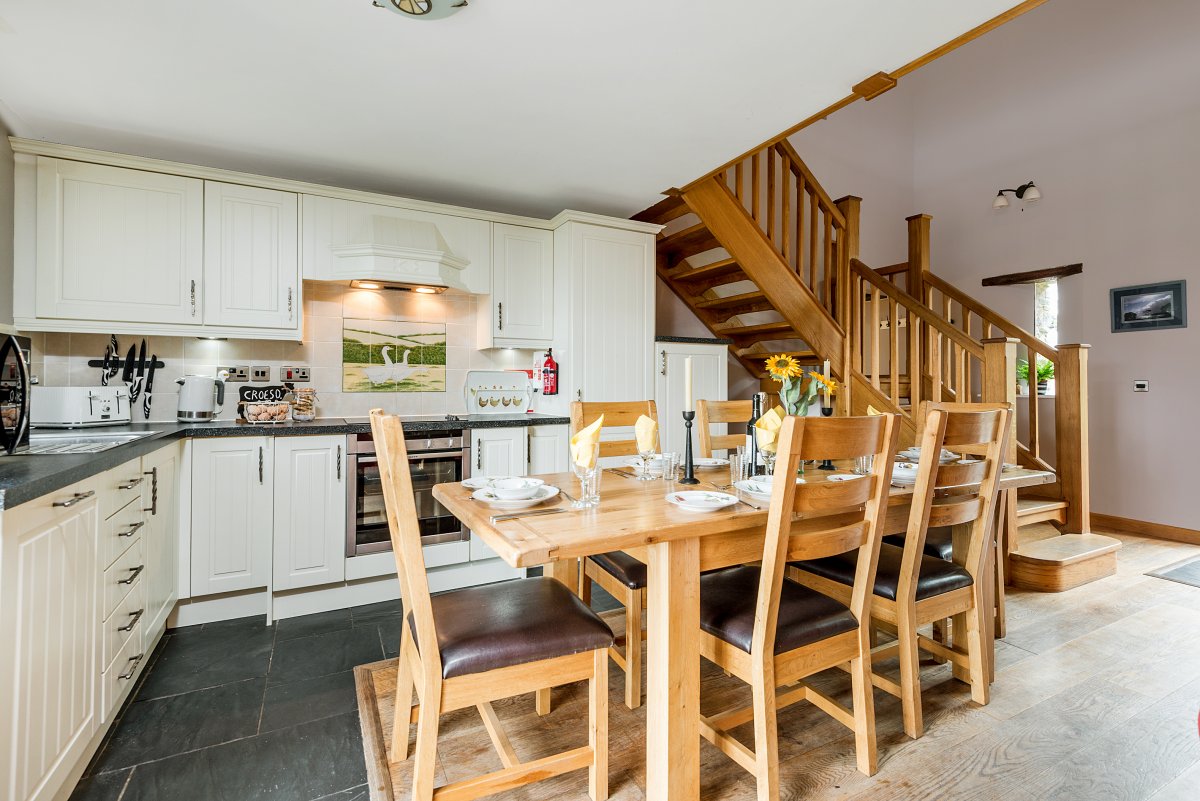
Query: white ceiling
(527,106)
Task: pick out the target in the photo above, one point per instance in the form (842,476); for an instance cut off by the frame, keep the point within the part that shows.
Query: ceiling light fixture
(422,9)
(1027,192)
(420,289)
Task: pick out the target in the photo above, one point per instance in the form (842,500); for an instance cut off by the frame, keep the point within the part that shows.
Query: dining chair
(710,413)
(913,589)
(622,576)
(770,631)
(473,646)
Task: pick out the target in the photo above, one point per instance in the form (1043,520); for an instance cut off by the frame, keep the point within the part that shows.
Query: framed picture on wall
(1149,307)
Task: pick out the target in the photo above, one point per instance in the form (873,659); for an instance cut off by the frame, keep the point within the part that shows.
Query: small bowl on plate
(515,489)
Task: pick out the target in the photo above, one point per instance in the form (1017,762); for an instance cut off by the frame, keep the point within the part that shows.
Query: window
(1045,312)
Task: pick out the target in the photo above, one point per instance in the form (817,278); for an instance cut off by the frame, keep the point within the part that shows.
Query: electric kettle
(200,398)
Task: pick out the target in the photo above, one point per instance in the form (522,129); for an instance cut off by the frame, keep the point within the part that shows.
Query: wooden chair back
(392,455)
(836,516)
(619,414)
(710,413)
(959,493)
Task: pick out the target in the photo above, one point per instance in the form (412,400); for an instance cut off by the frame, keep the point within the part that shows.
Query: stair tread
(689,241)
(762,328)
(1031,505)
(749,353)
(1066,549)
(730,300)
(665,210)
(719,268)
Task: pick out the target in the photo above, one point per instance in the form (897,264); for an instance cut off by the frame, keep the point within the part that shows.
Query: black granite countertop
(695,340)
(26,477)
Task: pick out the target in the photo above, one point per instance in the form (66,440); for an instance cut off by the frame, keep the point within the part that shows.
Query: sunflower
(783,366)
(828,383)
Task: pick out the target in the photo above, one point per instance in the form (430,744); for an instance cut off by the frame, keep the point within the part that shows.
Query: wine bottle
(751,438)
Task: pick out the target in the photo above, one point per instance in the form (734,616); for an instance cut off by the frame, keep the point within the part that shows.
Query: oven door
(368,522)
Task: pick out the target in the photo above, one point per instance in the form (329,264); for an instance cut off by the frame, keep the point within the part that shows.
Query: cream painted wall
(6,229)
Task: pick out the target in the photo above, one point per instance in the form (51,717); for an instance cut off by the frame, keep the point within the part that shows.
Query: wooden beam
(1033,276)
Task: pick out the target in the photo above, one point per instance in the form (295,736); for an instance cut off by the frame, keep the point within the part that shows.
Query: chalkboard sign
(262,394)
(263,404)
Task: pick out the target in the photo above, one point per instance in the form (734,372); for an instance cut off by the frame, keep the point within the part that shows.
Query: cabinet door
(161,536)
(498,452)
(522,285)
(251,264)
(117,244)
(50,667)
(709,382)
(232,481)
(310,511)
(547,449)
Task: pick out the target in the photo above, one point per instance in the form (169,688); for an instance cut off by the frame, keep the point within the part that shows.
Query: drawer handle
(76,498)
(134,617)
(133,667)
(131,483)
(132,529)
(134,572)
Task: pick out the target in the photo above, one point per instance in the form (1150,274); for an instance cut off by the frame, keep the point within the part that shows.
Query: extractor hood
(392,250)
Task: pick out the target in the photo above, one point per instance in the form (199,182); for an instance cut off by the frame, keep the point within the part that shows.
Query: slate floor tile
(298,702)
(382,609)
(307,625)
(323,654)
(309,761)
(360,793)
(389,634)
(202,659)
(103,787)
(164,727)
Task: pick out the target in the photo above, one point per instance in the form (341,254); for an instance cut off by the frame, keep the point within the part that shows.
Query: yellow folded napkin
(871,410)
(583,444)
(646,431)
(766,429)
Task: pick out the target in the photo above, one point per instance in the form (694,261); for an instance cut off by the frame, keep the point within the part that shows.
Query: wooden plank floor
(1096,697)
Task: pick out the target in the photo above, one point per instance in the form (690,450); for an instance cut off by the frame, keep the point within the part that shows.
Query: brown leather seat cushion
(728,598)
(939,542)
(623,567)
(936,576)
(485,628)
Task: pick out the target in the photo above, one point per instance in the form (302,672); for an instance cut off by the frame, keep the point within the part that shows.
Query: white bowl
(516,489)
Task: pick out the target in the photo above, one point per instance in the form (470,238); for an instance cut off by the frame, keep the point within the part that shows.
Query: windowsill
(1050,395)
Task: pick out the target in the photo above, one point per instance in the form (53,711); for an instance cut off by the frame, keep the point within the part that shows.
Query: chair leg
(978,671)
(541,701)
(425,761)
(959,637)
(941,629)
(598,727)
(404,691)
(910,678)
(585,584)
(1000,622)
(633,648)
(863,700)
(766,737)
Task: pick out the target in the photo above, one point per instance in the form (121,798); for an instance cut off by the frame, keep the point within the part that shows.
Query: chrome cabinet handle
(153,473)
(260,464)
(479,456)
(134,617)
(663,369)
(289,303)
(339,463)
(131,483)
(133,667)
(133,529)
(74,499)
(193,297)
(500,312)
(134,572)
(579,394)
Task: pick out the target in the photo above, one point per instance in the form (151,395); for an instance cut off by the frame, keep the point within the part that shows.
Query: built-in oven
(15,394)
(431,460)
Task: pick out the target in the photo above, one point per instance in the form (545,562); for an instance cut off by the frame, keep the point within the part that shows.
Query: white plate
(479,482)
(704,463)
(655,467)
(487,496)
(701,501)
(755,488)
(842,477)
(914,454)
(904,473)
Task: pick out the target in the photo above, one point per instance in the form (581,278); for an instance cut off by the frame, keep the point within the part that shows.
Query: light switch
(1141,385)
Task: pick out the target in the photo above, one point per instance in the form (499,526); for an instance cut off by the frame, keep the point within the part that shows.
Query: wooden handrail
(788,153)
(892,269)
(918,309)
(999,321)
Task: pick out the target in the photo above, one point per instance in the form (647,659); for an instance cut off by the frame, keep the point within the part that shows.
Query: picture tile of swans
(393,356)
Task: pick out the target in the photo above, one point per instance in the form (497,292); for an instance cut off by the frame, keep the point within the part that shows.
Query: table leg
(566,571)
(673,675)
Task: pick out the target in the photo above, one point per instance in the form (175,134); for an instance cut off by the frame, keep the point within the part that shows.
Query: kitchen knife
(149,386)
(136,390)
(127,373)
(104,366)
(116,357)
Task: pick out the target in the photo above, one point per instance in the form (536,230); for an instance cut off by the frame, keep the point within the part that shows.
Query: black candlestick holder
(826,411)
(689,468)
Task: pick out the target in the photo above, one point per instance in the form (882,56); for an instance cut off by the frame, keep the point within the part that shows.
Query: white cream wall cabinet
(548,449)
(710,381)
(522,301)
(310,511)
(499,452)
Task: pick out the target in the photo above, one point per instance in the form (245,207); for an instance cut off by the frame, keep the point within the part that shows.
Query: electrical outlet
(260,372)
(1141,385)
(237,375)
(295,375)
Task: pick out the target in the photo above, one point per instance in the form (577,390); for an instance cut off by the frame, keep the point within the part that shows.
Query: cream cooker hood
(390,250)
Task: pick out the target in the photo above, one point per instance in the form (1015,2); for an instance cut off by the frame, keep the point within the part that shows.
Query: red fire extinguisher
(550,374)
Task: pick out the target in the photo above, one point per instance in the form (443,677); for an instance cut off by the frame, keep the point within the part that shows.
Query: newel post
(918,254)
(1071,435)
(1000,383)
(851,209)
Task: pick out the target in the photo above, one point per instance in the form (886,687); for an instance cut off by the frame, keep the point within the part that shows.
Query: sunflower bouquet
(796,393)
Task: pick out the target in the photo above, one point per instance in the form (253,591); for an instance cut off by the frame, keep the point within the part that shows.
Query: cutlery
(534,513)
(136,389)
(148,387)
(104,366)
(620,473)
(566,495)
(115,364)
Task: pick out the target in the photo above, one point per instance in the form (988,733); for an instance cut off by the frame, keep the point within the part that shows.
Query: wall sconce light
(1027,192)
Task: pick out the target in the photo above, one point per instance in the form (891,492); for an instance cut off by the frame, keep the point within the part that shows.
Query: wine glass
(589,479)
(769,455)
(645,456)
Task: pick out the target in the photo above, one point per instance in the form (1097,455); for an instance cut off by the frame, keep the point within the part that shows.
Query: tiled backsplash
(61,359)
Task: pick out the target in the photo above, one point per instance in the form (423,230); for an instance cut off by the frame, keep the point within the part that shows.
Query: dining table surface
(635,516)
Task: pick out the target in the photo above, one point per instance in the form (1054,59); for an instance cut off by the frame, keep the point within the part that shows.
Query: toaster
(79,407)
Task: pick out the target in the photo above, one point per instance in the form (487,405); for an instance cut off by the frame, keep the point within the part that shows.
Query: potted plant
(1022,377)
(1045,374)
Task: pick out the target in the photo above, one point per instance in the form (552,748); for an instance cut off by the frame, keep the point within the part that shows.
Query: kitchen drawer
(118,532)
(120,577)
(123,672)
(124,622)
(120,486)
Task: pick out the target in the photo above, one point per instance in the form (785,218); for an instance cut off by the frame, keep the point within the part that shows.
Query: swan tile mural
(393,356)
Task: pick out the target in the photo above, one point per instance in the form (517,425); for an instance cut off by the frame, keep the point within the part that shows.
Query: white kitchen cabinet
(710,381)
(232,512)
(499,452)
(49,666)
(520,311)
(251,259)
(548,449)
(310,511)
(160,535)
(115,244)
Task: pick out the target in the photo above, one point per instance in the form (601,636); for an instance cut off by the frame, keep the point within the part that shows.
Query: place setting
(514,496)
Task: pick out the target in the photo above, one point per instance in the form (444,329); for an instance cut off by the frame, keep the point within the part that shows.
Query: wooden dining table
(676,545)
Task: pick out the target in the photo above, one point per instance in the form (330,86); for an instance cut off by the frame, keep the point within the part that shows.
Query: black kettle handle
(220,393)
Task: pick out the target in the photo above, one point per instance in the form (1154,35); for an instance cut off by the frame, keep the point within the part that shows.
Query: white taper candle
(687,382)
